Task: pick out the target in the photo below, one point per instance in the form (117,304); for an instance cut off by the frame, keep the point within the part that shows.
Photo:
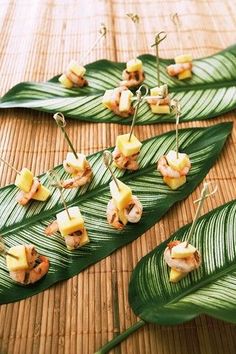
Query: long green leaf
(209,290)
(210,92)
(26,224)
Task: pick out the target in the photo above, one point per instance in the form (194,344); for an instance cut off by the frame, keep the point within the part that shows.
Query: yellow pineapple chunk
(186,74)
(14,264)
(174,183)
(65,81)
(122,217)
(68,225)
(181,251)
(134,65)
(77,69)
(176,275)
(107,99)
(177,164)
(126,147)
(76,163)
(24,180)
(42,194)
(125,101)
(122,196)
(83,241)
(160,109)
(185,58)
(159,90)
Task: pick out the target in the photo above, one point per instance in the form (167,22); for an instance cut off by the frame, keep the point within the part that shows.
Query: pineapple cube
(134,65)
(177,164)
(77,69)
(185,58)
(125,101)
(24,180)
(76,163)
(107,98)
(181,251)
(186,74)
(42,193)
(159,90)
(122,196)
(174,183)
(160,109)
(122,217)
(126,147)
(14,264)
(68,225)
(83,241)
(176,275)
(65,81)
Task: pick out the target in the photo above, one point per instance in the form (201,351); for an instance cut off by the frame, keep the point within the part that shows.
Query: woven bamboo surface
(37,39)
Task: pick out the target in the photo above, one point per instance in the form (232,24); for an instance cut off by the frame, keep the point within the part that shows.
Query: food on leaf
(159,100)
(182,67)
(119,101)
(74,76)
(133,75)
(126,152)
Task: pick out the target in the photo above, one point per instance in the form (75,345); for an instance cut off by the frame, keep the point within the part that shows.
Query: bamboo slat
(37,39)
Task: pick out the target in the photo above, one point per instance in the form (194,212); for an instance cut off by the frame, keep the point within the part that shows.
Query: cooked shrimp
(132,79)
(121,161)
(167,171)
(158,100)
(175,69)
(79,179)
(38,267)
(52,228)
(184,265)
(23,198)
(134,210)
(132,213)
(79,81)
(73,241)
(115,103)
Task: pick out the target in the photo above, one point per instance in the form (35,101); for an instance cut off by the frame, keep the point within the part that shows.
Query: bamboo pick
(103,32)
(61,122)
(205,193)
(159,37)
(175,19)
(9,165)
(3,251)
(54,176)
(176,106)
(107,159)
(135,18)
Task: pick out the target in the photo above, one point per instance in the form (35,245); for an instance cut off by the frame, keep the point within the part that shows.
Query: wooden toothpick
(3,250)
(205,193)
(107,159)
(177,109)
(135,19)
(61,122)
(176,21)
(10,166)
(102,33)
(140,98)
(159,37)
(52,174)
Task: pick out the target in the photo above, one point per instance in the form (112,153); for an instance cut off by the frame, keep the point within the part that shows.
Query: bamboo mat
(37,39)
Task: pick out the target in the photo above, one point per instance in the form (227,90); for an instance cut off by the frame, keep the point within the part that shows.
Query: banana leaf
(210,290)
(24,225)
(210,92)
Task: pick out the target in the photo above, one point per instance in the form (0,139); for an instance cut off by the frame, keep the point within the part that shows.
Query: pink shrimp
(23,198)
(125,162)
(115,103)
(79,81)
(132,79)
(184,265)
(175,69)
(167,171)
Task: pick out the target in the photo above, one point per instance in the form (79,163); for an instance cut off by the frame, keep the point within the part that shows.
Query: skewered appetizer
(133,75)
(123,207)
(182,67)
(119,101)
(73,76)
(174,169)
(182,258)
(126,152)
(30,187)
(28,266)
(70,223)
(159,100)
(79,168)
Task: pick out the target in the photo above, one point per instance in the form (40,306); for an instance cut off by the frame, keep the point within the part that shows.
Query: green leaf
(210,92)
(210,290)
(26,224)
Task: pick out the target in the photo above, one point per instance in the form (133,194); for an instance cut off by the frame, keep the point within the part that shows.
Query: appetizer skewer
(75,163)
(128,146)
(30,186)
(69,222)
(174,166)
(124,207)
(182,257)
(133,75)
(74,74)
(183,63)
